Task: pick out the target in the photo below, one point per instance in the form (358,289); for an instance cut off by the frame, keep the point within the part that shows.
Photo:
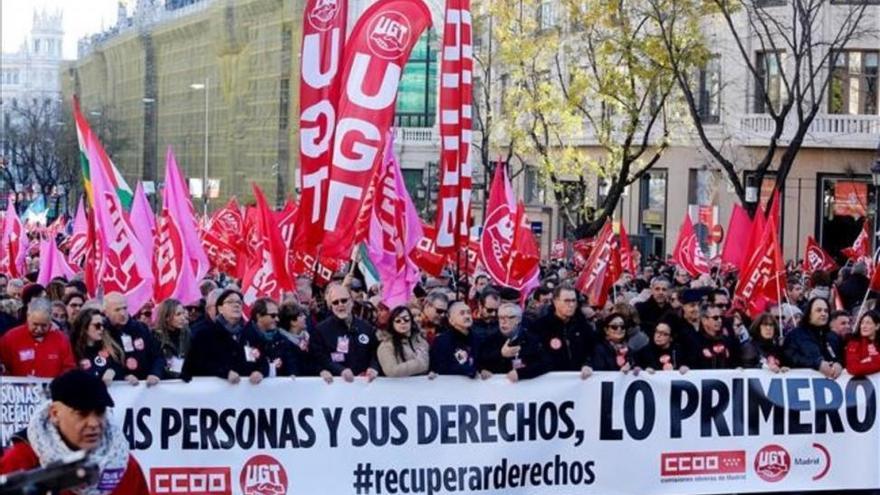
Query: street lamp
(197,87)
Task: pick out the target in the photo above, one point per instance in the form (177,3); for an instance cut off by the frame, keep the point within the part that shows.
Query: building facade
(32,72)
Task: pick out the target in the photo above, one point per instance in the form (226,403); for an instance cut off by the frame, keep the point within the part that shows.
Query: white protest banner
(19,397)
(703,432)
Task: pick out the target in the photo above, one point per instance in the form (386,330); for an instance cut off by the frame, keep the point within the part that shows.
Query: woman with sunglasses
(612,354)
(663,353)
(403,350)
(172,332)
(94,349)
(862,351)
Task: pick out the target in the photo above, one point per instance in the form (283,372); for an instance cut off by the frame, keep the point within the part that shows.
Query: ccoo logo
(263,475)
(772,463)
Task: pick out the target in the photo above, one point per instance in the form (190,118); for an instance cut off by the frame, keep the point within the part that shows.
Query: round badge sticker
(100,361)
(364,339)
(131,363)
(555,344)
(139,344)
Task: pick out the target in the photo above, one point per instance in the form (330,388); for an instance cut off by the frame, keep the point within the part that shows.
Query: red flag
(738,229)
(524,254)
(287,220)
(13,250)
(322,53)
(861,248)
(757,230)
(456,98)
(815,258)
(93,256)
(265,275)
(379,46)
(688,253)
(425,256)
(763,280)
(627,256)
(596,278)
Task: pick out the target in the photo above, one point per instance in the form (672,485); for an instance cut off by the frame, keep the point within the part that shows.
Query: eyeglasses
(490,311)
(663,333)
(272,315)
(75,305)
(616,327)
(232,302)
(403,319)
(97,326)
(340,302)
(440,311)
(713,317)
(507,317)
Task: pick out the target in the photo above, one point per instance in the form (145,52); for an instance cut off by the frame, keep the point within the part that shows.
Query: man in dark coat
(454,351)
(343,344)
(566,335)
(711,349)
(652,310)
(514,350)
(142,357)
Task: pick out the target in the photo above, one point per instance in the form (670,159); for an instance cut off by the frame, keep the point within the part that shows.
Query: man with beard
(652,310)
(343,344)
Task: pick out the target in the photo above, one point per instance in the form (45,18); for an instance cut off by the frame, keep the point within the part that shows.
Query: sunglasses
(714,317)
(271,315)
(340,302)
(616,327)
(440,311)
(97,326)
(491,311)
(405,319)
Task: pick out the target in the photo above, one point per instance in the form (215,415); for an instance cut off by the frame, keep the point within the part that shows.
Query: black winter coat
(652,356)
(607,358)
(215,351)
(530,362)
(454,353)
(568,345)
(713,353)
(96,362)
(337,346)
(143,356)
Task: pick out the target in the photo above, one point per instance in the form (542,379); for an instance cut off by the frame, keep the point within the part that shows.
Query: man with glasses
(434,312)
(566,336)
(143,357)
(343,344)
(486,322)
(711,349)
(278,355)
(35,348)
(513,351)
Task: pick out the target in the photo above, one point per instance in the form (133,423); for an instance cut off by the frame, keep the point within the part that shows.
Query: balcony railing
(839,131)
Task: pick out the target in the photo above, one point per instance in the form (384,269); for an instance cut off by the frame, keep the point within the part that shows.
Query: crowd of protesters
(658,320)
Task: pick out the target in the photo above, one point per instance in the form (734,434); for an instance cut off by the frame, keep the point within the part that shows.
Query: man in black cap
(76,420)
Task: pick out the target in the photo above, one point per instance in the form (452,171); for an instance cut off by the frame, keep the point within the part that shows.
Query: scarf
(235,329)
(111,455)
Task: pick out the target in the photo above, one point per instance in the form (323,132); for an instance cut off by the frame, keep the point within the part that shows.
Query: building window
(36,46)
(284,104)
(710,91)
(854,83)
(547,14)
(768,82)
(534,190)
(652,210)
(417,96)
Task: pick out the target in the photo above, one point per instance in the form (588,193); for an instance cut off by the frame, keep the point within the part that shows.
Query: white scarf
(111,455)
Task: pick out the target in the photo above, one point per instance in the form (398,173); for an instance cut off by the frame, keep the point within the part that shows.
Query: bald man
(143,358)
(454,351)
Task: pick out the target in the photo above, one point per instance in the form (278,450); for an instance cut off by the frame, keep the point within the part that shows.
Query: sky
(81,17)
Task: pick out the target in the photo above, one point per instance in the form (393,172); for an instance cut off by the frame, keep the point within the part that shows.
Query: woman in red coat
(862,351)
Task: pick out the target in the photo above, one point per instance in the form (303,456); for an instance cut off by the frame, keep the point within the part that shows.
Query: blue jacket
(807,347)
(454,353)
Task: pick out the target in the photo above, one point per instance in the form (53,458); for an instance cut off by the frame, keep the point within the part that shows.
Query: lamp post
(204,86)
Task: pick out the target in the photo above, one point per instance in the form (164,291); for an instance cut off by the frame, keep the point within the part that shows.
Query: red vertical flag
(738,229)
(763,280)
(627,256)
(265,275)
(379,46)
(324,26)
(524,254)
(861,248)
(597,277)
(456,98)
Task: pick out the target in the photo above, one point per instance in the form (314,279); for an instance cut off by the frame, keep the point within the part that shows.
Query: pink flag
(174,271)
(125,265)
(77,242)
(52,263)
(395,231)
(738,229)
(14,242)
(189,226)
(142,219)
